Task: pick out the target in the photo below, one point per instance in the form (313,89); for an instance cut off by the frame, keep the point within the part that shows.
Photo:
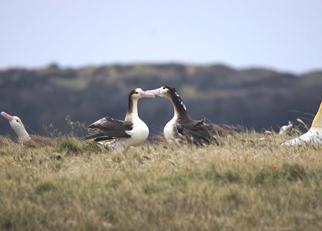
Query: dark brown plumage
(108,128)
(182,128)
(196,132)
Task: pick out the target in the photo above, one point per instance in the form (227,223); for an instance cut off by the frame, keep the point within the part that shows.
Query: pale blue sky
(283,34)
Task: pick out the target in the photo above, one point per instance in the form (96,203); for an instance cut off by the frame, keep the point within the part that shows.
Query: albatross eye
(17,120)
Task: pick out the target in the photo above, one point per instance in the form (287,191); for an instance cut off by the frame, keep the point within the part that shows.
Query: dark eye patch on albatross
(134,92)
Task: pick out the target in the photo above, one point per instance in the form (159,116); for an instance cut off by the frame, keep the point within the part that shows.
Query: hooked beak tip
(7,116)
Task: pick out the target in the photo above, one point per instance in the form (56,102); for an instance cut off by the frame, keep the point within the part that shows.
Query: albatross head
(17,125)
(134,97)
(163,91)
(172,94)
(138,93)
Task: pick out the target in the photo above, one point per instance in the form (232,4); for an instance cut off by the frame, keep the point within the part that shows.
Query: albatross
(181,128)
(120,134)
(17,126)
(313,135)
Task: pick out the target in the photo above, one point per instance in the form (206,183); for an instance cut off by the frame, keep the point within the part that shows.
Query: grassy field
(248,183)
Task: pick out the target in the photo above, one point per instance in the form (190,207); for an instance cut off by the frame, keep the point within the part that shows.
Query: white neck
(315,130)
(175,112)
(135,108)
(317,122)
(133,112)
(179,109)
(21,133)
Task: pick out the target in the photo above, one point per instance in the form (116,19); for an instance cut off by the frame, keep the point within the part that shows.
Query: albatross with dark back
(120,134)
(181,128)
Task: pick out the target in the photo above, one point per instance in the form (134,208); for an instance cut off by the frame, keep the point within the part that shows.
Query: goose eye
(17,121)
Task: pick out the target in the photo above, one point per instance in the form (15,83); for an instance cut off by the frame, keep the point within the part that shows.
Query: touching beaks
(7,116)
(145,94)
(154,92)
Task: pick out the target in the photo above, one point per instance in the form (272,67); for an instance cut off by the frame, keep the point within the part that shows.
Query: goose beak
(154,92)
(145,94)
(7,116)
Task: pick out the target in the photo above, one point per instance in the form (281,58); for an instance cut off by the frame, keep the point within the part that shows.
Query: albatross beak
(154,92)
(145,94)
(7,116)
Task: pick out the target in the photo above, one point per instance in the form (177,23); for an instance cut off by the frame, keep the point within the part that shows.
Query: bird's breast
(140,131)
(169,130)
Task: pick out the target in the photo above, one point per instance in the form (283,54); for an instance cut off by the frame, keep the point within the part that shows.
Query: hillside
(253,98)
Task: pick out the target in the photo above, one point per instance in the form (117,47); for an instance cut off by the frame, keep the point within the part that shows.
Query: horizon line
(168,62)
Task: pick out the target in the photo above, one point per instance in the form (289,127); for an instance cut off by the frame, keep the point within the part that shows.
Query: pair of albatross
(120,134)
(113,133)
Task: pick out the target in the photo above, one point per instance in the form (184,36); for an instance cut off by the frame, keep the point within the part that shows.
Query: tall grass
(248,183)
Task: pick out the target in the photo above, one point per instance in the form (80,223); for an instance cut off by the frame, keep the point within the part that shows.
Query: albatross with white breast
(181,128)
(120,134)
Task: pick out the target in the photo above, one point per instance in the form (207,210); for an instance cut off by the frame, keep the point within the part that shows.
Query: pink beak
(154,92)
(7,116)
(145,94)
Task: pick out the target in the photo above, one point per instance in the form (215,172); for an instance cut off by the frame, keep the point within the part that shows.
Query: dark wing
(221,131)
(108,128)
(197,132)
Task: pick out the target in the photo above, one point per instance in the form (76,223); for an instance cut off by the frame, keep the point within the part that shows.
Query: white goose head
(17,126)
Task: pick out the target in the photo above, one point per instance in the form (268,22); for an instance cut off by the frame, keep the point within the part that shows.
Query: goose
(313,135)
(120,134)
(181,128)
(286,129)
(18,127)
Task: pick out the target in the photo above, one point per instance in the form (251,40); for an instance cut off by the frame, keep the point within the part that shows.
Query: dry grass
(249,183)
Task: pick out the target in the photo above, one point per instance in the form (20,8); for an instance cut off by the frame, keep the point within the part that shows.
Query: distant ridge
(256,98)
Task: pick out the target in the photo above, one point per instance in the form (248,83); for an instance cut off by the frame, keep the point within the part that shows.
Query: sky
(280,34)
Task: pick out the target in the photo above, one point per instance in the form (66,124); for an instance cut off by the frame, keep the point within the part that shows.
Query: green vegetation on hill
(253,98)
(249,183)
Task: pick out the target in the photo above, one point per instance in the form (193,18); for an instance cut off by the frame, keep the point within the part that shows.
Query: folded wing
(108,128)
(197,132)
